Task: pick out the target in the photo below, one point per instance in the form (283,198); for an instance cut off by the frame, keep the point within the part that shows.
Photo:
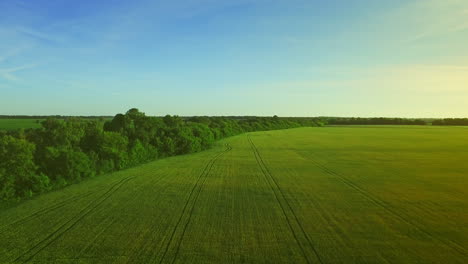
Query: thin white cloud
(435,18)
(29,32)
(11,53)
(7,74)
(19,68)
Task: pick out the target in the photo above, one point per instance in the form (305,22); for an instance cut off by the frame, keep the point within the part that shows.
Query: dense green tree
(204,133)
(119,124)
(18,173)
(67,150)
(93,137)
(451,122)
(114,148)
(373,121)
(140,153)
(66,165)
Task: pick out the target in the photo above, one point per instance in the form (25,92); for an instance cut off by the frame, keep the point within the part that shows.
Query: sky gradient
(406,58)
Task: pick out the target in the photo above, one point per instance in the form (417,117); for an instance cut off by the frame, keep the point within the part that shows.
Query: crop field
(25,123)
(12,123)
(308,195)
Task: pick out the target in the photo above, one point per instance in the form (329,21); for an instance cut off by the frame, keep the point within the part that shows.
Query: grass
(13,124)
(308,195)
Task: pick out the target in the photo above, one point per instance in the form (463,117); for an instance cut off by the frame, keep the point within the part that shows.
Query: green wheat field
(307,195)
(17,123)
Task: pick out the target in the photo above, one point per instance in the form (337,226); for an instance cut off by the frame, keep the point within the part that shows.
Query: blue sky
(245,57)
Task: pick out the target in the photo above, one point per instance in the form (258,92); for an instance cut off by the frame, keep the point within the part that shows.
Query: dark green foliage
(451,122)
(18,173)
(113,150)
(68,150)
(374,121)
(203,132)
(118,123)
(66,165)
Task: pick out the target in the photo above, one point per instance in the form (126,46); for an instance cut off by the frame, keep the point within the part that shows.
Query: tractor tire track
(93,240)
(132,254)
(186,210)
(381,203)
(110,222)
(62,229)
(46,210)
(279,195)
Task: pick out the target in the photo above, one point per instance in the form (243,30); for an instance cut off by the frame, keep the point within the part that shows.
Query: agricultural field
(13,123)
(25,123)
(306,195)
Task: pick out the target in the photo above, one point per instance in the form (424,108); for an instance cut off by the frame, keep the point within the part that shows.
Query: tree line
(394,121)
(374,121)
(66,151)
(51,116)
(451,122)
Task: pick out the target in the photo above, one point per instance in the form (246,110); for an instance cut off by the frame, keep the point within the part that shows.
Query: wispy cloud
(32,33)
(8,74)
(440,18)
(13,52)
(9,54)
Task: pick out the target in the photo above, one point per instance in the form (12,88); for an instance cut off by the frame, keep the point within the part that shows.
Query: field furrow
(300,235)
(33,251)
(384,205)
(309,195)
(180,228)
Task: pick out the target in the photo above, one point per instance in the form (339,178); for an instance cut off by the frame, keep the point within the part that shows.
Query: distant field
(308,195)
(17,123)
(12,124)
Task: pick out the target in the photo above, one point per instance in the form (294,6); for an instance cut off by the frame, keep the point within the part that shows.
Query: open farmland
(17,123)
(308,195)
(25,123)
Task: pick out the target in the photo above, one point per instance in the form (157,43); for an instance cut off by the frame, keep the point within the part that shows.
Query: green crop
(306,195)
